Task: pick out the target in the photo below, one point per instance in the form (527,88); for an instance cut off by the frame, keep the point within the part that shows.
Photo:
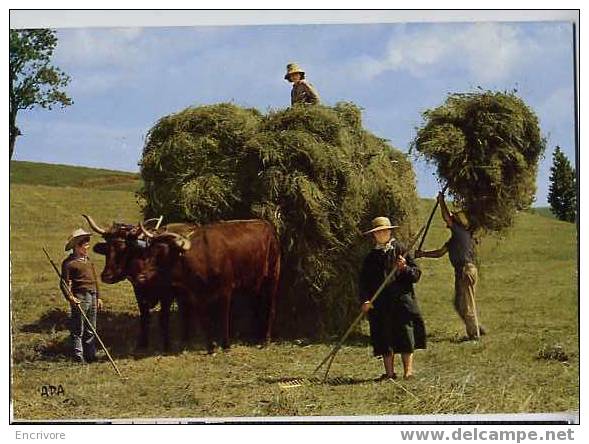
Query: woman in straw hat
(79,276)
(302,92)
(395,321)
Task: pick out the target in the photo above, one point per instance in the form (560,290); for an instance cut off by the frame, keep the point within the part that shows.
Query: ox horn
(181,241)
(145,232)
(94,225)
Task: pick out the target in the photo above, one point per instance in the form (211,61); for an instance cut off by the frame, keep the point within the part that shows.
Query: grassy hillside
(542,211)
(33,173)
(528,300)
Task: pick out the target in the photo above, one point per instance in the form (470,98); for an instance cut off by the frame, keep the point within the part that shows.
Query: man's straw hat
(380,223)
(461,218)
(76,234)
(293,68)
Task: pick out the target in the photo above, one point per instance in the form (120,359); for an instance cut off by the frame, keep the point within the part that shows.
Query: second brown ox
(210,265)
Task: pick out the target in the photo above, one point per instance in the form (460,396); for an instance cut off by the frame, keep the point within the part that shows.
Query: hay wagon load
(313,171)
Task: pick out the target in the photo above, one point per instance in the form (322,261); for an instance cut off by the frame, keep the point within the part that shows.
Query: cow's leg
(165,303)
(260,316)
(267,306)
(225,302)
(144,319)
(271,306)
(185,309)
(206,314)
(266,313)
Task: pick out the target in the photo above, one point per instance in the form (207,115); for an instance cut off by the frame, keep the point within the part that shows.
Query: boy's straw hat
(380,223)
(293,68)
(77,233)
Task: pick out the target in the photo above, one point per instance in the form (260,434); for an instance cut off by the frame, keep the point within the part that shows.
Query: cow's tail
(272,281)
(272,250)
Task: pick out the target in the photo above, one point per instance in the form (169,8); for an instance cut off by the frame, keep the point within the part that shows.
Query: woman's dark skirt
(396,325)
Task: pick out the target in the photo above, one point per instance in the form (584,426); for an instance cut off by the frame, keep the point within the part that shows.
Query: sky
(124,79)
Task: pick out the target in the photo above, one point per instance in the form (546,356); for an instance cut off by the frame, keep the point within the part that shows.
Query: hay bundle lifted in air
(486,146)
(312,171)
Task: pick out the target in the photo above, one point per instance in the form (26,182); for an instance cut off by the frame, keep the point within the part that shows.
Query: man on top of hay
(302,92)
(460,247)
(79,275)
(395,321)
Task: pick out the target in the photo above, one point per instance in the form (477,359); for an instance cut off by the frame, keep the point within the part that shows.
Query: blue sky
(125,79)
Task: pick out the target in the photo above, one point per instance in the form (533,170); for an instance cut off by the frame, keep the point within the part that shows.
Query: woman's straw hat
(293,68)
(380,223)
(77,233)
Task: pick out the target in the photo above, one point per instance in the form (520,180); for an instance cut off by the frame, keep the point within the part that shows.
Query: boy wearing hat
(460,248)
(79,276)
(302,92)
(395,321)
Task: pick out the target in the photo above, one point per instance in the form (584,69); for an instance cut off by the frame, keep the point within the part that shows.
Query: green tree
(562,194)
(33,80)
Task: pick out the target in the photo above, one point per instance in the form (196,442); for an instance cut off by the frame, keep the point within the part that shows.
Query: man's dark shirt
(460,247)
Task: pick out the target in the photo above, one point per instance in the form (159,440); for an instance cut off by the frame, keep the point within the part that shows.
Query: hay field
(528,300)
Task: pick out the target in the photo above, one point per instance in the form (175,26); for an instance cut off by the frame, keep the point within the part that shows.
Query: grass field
(542,211)
(527,297)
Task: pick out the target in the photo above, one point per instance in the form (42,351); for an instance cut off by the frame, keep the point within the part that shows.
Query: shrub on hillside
(313,171)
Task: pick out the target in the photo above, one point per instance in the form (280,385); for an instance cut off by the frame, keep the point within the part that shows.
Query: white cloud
(99,59)
(494,51)
(103,59)
(556,115)
(93,48)
(488,51)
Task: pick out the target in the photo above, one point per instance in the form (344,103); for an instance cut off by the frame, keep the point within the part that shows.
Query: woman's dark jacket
(396,324)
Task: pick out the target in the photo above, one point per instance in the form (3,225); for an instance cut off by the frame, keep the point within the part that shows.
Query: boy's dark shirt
(79,271)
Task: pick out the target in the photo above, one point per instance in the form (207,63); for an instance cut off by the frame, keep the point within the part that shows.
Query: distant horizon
(138,173)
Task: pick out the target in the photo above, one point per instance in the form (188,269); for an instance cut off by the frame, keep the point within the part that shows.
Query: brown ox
(125,253)
(213,263)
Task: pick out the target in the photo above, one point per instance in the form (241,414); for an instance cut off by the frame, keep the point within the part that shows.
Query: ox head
(123,246)
(132,252)
(163,250)
(180,242)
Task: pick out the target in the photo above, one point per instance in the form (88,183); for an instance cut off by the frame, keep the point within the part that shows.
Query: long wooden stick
(389,278)
(65,285)
(431,216)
